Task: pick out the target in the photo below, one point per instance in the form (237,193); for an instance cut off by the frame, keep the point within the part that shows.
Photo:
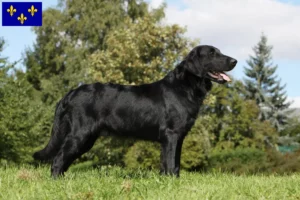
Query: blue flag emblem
(22,14)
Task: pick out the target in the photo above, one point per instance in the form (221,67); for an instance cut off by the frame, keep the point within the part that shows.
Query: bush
(194,153)
(280,163)
(143,154)
(108,151)
(196,145)
(240,160)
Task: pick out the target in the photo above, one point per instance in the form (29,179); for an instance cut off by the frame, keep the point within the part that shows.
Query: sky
(233,26)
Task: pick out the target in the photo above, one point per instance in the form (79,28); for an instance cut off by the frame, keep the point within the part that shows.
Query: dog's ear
(193,64)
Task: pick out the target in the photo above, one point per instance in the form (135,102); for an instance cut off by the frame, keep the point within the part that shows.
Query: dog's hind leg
(73,147)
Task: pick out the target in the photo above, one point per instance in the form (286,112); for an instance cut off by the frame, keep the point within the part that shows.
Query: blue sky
(286,57)
(294,2)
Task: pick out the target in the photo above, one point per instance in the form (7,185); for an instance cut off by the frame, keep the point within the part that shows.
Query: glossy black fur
(162,111)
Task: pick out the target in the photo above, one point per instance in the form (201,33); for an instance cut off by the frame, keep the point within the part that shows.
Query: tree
(139,52)
(70,33)
(20,112)
(236,121)
(263,86)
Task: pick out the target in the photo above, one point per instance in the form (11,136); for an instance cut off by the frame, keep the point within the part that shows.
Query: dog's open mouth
(219,76)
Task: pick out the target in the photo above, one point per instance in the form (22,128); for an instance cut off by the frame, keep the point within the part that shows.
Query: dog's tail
(59,132)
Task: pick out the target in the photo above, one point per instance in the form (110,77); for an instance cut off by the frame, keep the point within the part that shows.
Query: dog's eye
(211,53)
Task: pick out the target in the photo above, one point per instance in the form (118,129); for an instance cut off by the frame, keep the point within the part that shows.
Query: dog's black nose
(233,62)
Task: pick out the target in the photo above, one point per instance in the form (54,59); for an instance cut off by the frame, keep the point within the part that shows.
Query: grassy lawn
(117,183)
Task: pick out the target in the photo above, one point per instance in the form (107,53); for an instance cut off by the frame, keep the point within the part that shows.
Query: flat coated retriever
(162,111)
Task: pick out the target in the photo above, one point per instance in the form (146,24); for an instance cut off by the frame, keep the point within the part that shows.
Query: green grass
(117,183)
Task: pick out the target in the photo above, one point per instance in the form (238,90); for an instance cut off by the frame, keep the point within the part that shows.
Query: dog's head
(209,62)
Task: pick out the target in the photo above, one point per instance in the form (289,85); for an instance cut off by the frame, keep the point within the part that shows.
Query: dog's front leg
(170,153)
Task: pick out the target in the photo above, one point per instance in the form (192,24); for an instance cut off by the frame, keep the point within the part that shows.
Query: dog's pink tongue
(225,77)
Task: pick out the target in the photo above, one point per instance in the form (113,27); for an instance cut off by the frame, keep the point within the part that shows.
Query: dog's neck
(198,84)
(196,87)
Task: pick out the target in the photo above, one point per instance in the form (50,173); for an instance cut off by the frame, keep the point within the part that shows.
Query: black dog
(162,111)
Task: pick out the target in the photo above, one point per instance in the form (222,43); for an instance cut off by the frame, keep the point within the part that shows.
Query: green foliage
(197,145)
(195,152)
(109,151)
(293,129)
(23,118)
(70,33)
(264,88)
(239,160)
(235,120)
(144,155)
(286,163)
(139,52)
(19,113)
(254,161)
(289,139)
